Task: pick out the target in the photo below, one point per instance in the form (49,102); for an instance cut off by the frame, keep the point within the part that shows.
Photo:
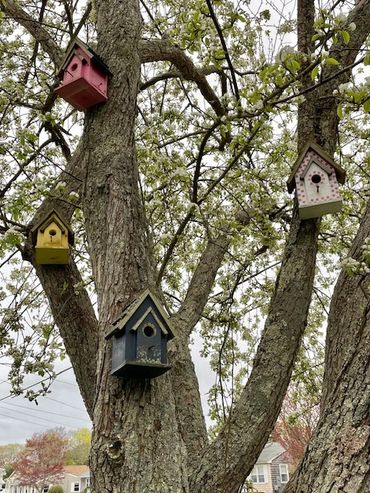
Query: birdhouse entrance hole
(316,178)
(149,331)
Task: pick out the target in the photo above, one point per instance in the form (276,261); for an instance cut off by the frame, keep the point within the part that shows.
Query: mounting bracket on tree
(139,339)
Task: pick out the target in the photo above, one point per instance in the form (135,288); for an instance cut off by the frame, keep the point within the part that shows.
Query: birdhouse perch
(315,177)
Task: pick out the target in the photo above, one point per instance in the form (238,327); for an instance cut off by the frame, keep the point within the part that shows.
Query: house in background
(75,479)
(271,471)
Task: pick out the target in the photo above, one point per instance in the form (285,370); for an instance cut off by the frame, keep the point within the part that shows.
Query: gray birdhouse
(139,339)
(315,177)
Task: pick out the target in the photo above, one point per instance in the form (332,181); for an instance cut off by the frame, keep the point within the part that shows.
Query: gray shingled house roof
(271,451)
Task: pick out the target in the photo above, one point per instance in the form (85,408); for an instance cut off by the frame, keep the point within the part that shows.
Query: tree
(8,454)
(41,461)
(79,447)
(177,183)
(295,425)
(56,489)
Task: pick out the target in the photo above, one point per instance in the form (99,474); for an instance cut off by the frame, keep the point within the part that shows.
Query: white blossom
(341,17)
(259,105)
(73,196)
(61,186)
(180,173)
(343,87)
(352,26)
(350,265)
(13,233)
(335,92)
(284,53)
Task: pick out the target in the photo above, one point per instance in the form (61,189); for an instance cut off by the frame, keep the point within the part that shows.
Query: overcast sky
(63,407)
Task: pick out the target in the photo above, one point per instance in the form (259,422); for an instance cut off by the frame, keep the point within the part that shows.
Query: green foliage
(56,489)
(79,447)
(198,170)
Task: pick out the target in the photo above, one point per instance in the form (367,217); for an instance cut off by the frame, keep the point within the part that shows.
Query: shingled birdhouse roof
(339,171)
(71,50)
(153,305)
(57,218)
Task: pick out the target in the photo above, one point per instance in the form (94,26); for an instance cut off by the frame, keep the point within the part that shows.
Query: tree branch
(33,26)
(75,317)
(154,50)
(230,457)
(224,47)
(69,302)
(201,284)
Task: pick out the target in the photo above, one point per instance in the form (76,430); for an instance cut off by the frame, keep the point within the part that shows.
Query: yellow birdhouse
(51,238)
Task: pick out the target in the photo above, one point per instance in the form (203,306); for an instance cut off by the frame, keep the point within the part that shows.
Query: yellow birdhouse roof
(58,219)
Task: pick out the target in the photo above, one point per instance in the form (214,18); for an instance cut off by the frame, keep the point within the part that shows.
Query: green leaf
(314,72)
(340,111)
(332,61)
(367,59)
(367,105)
(346,36)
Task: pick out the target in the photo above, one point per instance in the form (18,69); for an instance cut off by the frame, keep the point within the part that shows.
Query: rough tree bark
(150,436)
(337,458)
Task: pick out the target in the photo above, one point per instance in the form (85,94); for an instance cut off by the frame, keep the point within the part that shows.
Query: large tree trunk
(338,457)
(136,445)
(150,436)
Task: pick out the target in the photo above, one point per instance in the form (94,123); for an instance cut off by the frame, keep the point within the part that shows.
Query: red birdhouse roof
(71,50)
(339,171)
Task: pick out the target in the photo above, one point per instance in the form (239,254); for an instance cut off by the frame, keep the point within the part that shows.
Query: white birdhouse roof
(312,146)
(153,305)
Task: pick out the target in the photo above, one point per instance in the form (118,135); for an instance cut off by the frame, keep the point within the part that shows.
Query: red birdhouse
(84,77)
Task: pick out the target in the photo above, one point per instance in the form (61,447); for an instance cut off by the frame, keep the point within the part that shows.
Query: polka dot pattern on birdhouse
(315,178)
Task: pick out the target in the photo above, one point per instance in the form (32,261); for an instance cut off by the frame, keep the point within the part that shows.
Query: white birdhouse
(315,177)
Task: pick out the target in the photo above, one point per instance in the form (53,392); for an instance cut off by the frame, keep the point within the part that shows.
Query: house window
(75,487)
(259,475)
(284,473)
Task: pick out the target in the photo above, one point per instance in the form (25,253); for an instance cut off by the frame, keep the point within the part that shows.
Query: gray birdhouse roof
(77,43)
(339,171)
(153,305)
(52,216)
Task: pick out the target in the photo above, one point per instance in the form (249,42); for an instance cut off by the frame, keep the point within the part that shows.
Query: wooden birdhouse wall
(52,237)
(139,345)
(82,66)
(149,337)
(317,187)
(84,79)
(119,351)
